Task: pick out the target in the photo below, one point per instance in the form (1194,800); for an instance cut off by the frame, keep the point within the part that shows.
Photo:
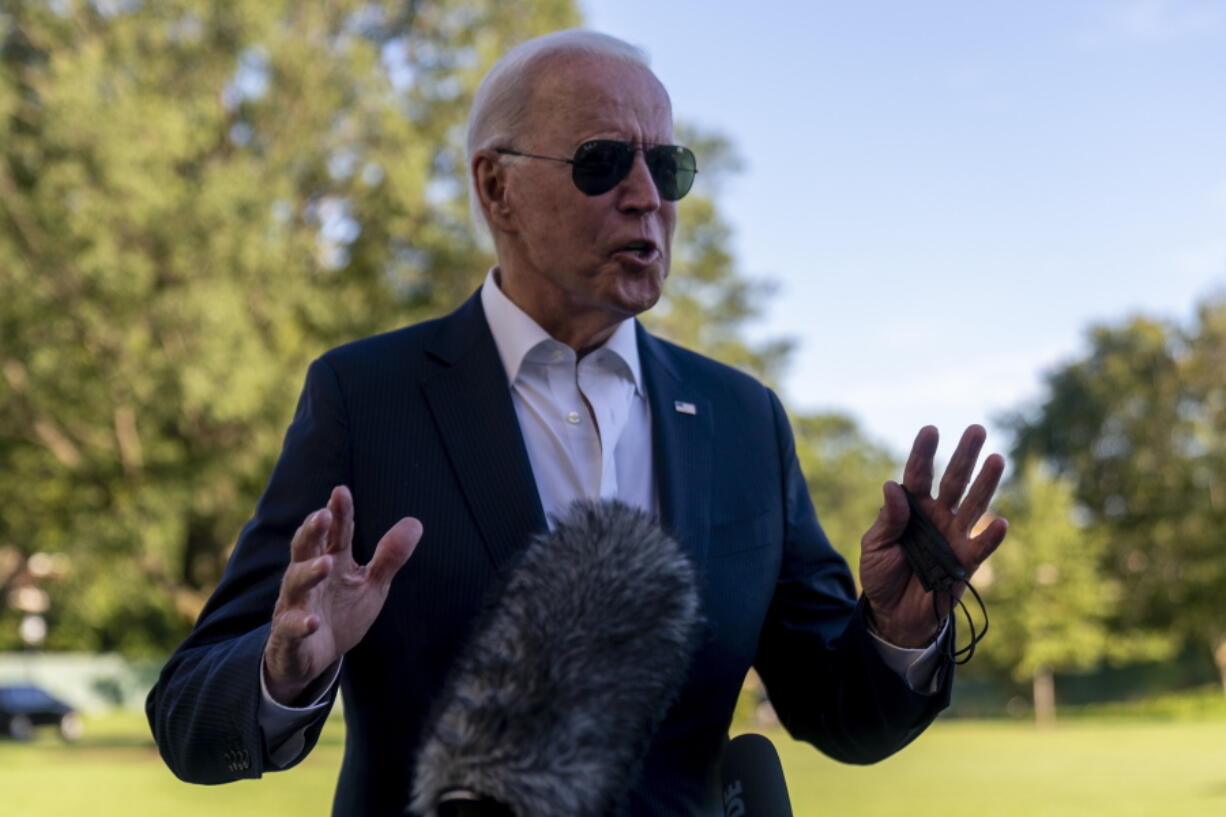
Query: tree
(1050,602)
(197,198)
(1136,426)
(1203,574)
(708,301)
(845,472)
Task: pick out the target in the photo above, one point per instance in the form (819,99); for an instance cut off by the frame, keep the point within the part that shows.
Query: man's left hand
(901,609)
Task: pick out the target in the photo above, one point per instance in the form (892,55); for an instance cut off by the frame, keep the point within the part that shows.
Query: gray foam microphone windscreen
(554,702)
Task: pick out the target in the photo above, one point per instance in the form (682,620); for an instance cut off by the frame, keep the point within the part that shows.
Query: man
(483,425)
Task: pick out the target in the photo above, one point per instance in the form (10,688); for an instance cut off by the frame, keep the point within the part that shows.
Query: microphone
(554,702)
(753,779)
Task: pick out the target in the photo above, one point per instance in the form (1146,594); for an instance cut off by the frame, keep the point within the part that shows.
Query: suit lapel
(682,439)
(471,403)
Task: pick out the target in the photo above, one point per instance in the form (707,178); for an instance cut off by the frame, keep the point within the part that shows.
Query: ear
(490,186)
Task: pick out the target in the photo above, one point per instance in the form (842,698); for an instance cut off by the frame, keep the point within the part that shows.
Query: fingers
(961,466)
(393,550)
(294,625)
(891,520)
(919,470)
(917,475)
(981,492)
(301,577)
(310,538)
(327,530)
(340,534)
(989,539)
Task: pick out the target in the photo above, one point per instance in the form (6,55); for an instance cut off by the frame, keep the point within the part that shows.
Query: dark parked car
(24,708)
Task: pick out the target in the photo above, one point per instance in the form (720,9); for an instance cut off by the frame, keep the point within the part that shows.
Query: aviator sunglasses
(600,165)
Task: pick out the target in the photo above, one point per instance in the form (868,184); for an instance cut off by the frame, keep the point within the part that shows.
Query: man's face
(607,253)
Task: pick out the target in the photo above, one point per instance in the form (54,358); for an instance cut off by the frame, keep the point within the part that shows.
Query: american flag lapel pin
(683,407)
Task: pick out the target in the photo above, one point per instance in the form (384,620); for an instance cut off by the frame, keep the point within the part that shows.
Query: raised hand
(327,600)
(901,608)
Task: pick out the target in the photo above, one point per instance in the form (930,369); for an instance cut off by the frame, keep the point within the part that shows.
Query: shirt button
(558,354)
(573,418)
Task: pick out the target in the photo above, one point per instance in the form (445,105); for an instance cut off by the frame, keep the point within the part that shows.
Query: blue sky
(949,193)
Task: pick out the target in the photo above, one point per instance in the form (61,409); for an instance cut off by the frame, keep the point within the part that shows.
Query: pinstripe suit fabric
(420,422)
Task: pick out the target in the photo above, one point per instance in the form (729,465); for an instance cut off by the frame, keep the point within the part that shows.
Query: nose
(637,192)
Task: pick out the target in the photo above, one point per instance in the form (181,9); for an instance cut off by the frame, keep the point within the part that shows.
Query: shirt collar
(516,334)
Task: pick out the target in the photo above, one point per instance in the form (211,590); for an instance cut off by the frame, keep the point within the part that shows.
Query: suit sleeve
(203,710)
(824,674)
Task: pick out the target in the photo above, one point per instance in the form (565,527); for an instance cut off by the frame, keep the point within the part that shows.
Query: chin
(639,298)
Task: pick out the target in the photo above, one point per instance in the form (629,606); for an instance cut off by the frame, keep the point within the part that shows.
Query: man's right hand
(327,600)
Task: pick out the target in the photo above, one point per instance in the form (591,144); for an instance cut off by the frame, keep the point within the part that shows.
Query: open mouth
(643,250)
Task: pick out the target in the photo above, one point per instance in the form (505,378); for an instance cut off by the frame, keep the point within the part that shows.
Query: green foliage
(845,472)
(707,302)
(1137,426)
(1050,604)
(197,198)
(1200,705)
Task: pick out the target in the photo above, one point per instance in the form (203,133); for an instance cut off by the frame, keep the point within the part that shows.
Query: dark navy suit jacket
(420,422)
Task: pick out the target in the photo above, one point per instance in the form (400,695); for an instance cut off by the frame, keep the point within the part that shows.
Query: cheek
(668,224)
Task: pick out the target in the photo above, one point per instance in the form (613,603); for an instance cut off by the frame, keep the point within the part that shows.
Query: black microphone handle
(753,783)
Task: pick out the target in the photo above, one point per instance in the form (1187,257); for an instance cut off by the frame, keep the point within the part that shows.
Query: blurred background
(948,212)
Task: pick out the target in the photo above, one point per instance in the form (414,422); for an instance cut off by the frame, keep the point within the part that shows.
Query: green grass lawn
(1008,769)
(1084,767)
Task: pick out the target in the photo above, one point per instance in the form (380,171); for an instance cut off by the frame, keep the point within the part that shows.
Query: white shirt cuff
(285,726)
(919,666)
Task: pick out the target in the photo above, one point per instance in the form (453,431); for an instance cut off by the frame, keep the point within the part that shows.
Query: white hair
(502,98)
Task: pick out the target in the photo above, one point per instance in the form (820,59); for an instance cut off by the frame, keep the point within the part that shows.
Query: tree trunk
(1044,697)
(1219,658)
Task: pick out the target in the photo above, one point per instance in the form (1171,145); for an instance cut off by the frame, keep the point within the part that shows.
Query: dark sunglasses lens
(672,169)
(600,165)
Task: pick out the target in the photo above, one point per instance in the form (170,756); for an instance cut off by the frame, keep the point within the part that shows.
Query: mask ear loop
(962,655)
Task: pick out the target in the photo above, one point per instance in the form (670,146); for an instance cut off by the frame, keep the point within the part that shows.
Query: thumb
(394,549)
(891,520)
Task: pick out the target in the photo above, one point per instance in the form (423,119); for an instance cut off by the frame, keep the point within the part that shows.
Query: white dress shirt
(587,426)
(585,421)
